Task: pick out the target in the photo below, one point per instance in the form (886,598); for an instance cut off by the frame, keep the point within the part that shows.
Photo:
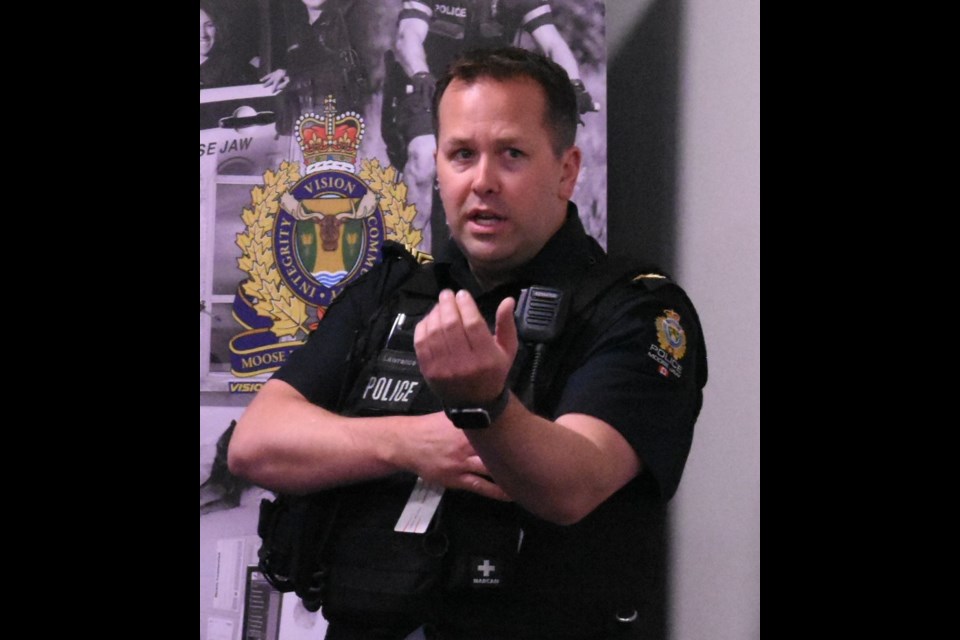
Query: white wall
(715,562)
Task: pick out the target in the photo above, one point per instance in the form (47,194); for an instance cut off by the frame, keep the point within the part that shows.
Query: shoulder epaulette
(651,281)
(422,256)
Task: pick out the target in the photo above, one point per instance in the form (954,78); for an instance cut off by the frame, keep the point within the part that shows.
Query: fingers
(477,480)
(454,328)
(486,488)
(458,320)
(440,453)
(506,328)
(463,326)
(276,80)
(474,465)
(421,341)
(474,326)
(450,323)
(458,355)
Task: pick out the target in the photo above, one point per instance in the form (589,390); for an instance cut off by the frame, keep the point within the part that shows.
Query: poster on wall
(313,134)
(316,146)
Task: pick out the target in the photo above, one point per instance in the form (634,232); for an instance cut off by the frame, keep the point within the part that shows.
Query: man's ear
(569,170)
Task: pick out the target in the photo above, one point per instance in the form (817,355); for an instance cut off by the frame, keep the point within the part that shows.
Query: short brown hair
(511,63)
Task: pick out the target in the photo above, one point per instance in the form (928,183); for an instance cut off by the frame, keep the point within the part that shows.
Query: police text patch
(390,392)
(671,344)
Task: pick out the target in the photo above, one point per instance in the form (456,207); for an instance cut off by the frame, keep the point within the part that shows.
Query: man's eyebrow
(505,141)
(454,142)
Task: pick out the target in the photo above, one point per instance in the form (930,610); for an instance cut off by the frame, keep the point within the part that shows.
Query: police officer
(550,515)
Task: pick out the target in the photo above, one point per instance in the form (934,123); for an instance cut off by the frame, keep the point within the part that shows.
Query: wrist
(478,415)
(391,445)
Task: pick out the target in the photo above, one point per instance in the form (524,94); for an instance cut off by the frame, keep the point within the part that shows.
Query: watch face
(469,418)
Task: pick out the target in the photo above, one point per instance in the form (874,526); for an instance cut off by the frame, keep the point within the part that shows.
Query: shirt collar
(565,255)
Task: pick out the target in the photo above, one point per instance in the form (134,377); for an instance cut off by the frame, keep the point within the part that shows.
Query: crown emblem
(331,141)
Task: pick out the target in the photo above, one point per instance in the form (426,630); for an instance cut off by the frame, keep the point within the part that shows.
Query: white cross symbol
(486,568)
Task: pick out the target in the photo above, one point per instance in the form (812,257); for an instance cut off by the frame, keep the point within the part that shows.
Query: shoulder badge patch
(672,344)
(671,335)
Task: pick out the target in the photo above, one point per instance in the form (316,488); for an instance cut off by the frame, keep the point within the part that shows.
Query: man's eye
(514,153)
(462,154)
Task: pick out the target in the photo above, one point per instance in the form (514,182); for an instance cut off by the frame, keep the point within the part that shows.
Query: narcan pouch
(486,538)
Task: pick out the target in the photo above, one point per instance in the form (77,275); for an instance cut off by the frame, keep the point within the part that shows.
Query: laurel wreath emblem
(397,214)
(271,297)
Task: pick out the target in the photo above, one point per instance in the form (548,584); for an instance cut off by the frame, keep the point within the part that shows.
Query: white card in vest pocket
(420,507)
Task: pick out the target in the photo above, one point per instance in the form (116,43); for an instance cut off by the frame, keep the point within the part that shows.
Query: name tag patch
(399,361)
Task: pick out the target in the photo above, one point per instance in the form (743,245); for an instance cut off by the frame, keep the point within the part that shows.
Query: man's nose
(486,176)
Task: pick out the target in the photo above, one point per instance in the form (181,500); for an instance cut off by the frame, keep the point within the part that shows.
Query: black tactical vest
(338,548)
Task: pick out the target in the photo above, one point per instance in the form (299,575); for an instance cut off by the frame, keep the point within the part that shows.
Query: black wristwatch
(478,417)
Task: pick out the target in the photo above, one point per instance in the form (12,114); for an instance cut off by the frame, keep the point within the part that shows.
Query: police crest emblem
(670,334)
(307,237)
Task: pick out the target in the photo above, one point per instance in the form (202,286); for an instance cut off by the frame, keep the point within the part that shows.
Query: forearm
(285,443)
(553,46)
(560,471)
(411,55)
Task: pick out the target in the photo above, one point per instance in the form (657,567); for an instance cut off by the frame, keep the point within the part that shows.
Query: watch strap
(479,416)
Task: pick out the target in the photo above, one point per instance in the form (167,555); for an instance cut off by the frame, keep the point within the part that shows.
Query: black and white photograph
(264,64)
(229,49)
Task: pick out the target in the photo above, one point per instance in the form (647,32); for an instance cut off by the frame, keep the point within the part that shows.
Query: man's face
(208,33)
(503,188)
